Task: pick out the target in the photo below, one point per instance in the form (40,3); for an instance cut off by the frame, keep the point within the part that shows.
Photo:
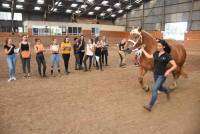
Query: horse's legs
(176,74)
(141,77)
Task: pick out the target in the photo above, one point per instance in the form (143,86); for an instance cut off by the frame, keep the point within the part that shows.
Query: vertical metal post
(163,18)
(143,14)
(190,17)
(126,23)
(12,15)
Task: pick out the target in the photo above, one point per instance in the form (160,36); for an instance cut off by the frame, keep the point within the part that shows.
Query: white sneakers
(12,79)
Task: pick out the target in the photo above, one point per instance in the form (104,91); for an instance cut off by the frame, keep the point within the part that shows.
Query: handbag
(26,54)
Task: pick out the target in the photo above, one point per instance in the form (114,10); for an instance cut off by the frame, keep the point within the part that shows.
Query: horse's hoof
(173,86)
(146,88)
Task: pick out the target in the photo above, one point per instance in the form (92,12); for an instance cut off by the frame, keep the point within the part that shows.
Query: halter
(137,51)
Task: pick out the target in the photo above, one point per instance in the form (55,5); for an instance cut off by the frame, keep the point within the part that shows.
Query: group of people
(94,49)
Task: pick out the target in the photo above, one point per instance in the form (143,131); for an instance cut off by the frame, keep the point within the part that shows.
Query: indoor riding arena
(78,66)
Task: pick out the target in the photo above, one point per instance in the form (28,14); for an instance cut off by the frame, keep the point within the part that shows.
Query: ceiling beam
(13,4)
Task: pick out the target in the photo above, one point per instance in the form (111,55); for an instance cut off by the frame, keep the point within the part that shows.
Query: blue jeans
(55,60)
(159,81)
(11,61)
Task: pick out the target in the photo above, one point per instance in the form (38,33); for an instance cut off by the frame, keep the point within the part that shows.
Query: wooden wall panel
(192,38)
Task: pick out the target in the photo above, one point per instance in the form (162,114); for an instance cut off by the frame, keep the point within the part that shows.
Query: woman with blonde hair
(66,50)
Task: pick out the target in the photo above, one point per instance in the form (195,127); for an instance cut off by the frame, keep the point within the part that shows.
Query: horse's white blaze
(137,51)
(135,31)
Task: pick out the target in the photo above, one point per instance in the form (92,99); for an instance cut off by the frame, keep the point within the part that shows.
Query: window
(74,30)
(35,31)
(95,31)
(20,29)
(175,30)
(55,30)
(7,16)
(64,30)
(18,16)
(70,31)
(41,30)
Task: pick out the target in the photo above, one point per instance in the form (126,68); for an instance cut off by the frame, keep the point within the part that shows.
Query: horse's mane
(145,32)
(149,41)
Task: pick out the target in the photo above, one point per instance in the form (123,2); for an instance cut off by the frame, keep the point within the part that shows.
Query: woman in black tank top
(24,46)
(25,54)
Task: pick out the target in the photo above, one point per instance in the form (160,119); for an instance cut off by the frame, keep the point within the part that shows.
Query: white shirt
(89,49)
(54,48)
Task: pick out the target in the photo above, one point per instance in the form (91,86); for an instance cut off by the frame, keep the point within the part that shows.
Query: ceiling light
(120,11)
(102,14)
(79,0)
(83,6)
(109,9)
(40,1)
(20,0)
(54,9)
(97,8)
(6,5)
(91,13)
(58,3)
(117,5)
(37,8)
(68,11)
(77,11)
(113,15)
(74,5)
(19,6)
(90,1)
(138,1)
(105,2)
(129,7)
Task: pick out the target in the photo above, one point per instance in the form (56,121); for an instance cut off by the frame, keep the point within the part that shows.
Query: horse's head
(136,37)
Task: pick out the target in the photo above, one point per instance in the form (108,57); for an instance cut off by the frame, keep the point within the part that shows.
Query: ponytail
(167,48)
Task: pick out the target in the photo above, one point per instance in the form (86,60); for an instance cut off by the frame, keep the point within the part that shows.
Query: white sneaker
(13,78)
(10,79)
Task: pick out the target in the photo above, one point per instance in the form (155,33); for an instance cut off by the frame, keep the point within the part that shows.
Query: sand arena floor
(108,102)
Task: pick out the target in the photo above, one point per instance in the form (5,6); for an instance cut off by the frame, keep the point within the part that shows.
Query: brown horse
(178,52)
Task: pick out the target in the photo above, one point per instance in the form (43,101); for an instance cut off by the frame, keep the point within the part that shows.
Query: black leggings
(41,61)
(66,58)
(26,65)
(81,56)
(104,55)
(77,61)
(90,61)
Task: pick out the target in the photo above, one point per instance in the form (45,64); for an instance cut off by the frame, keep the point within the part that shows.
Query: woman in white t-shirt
(89,54)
